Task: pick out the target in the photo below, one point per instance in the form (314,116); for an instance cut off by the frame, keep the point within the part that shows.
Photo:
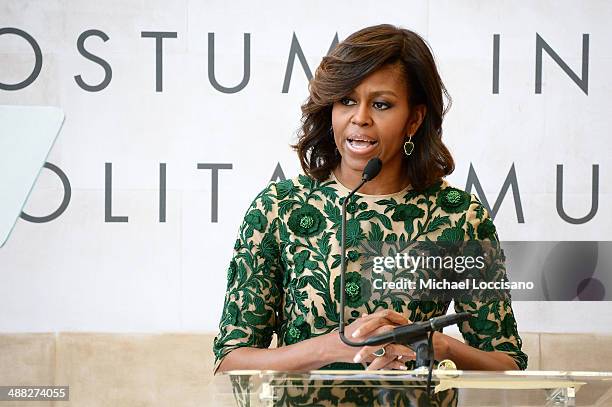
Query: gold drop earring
(409,146)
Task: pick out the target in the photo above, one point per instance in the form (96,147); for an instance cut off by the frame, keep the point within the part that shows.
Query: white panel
(81,273)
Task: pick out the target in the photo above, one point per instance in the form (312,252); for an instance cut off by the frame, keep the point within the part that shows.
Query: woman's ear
(418,115)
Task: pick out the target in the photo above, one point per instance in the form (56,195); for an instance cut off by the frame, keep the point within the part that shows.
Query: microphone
(371,170)
(413,332)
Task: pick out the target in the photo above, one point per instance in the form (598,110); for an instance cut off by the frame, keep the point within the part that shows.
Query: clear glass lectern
(399,388)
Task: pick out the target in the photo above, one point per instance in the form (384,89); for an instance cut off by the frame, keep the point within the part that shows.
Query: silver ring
(380,352)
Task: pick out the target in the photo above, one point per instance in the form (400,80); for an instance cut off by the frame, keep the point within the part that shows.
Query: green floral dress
(284,276)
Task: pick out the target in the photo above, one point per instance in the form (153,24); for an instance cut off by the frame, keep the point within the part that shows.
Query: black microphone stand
(422,344)
(343,267)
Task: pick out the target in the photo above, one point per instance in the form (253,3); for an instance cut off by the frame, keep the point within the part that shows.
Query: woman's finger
(366,328)
(401,352)
(392,316)
(365,352)
(380,362)
(395,357)
(395,365)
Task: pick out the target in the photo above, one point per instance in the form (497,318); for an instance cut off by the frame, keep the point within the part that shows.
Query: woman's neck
(389,181)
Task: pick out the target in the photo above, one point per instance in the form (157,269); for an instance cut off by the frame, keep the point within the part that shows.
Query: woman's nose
(362,116)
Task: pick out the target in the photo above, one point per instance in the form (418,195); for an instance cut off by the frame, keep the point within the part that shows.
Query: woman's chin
(352,163)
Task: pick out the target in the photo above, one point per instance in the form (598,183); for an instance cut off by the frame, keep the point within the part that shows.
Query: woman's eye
(377,105)
(381,105)
(347,101)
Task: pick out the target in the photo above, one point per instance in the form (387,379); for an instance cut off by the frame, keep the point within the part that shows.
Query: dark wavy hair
(344,68)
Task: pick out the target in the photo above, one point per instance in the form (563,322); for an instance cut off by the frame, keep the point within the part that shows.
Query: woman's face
(374,120)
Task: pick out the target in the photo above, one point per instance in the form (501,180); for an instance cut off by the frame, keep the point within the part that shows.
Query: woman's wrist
(469,358)
(445,345)
(328,348)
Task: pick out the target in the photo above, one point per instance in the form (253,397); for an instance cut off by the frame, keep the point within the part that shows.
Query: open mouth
(361,143)
(361,146)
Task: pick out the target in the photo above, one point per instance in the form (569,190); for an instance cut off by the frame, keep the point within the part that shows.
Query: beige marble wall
(175,369)
(576,352)
(135,370)
(27,359)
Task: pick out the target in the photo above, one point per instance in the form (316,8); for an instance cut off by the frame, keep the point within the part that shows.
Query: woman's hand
(368,325)
(395,355)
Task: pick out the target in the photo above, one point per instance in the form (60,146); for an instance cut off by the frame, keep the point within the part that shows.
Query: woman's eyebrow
(374,93)
(381,92)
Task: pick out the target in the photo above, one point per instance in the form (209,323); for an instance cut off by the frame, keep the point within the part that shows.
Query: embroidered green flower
(257,220)
(486,230)
(352,288)
(453,200)
(453,234)
(407,212)
(352,207)
(269,247)
(357,289)
(285,188)
(353,255)
(354,233)
(297,331)
(306,221)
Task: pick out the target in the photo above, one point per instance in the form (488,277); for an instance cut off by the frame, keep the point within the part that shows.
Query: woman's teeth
(361,143)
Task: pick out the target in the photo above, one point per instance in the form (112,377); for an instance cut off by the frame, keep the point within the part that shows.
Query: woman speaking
(378,94)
